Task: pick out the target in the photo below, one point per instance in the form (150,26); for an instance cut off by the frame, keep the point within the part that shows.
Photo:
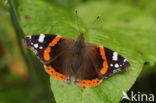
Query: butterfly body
(64,58)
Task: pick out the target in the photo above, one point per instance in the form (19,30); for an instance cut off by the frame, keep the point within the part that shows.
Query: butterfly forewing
(116,62)
(38,43)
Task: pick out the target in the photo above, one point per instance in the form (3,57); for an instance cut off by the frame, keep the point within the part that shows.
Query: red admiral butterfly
(64,58)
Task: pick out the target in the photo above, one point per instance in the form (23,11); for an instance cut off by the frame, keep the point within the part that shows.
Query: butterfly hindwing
(62,63)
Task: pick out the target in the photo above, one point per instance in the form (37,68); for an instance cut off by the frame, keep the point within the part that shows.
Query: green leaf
(47,17)
(121,27)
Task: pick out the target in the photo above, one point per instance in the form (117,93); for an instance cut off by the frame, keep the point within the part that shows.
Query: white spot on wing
(115,56)
(36,45)
(111,65)
(41,47)
(29,37)
(125,60)
(116,65)
(41,38)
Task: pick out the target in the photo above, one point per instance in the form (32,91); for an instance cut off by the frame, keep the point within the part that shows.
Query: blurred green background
(20,84)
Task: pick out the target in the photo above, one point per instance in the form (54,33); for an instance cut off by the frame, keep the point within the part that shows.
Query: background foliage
(126,26)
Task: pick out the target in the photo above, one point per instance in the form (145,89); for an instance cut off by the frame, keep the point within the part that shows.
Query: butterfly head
(79,44)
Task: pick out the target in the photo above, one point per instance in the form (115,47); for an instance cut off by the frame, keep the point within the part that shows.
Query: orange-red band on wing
(90,83)
(46,53)
(105,64)
(50,70)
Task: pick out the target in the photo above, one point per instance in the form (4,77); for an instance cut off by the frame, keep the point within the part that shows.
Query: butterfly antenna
(95,21)
(77,21)
(81,37)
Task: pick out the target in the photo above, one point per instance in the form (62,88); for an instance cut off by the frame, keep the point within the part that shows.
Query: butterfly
(64,58)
